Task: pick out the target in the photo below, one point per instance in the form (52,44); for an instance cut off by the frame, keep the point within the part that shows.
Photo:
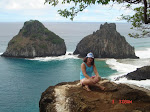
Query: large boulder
(71,97)
(105,43)
(34,40)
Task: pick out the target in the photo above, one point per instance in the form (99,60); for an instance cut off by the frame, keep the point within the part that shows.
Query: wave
(68,55)
(142,54)
(121,68)
(1,54)
(142,83)
(125,66)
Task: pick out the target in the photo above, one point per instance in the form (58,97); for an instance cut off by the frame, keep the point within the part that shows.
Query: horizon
(60,22)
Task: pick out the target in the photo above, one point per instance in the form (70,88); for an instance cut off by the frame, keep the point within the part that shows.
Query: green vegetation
(57,41)
(53,37)
(43,46)
(36,30)
(139,20)
(12,42)
(33,29)
(78,6)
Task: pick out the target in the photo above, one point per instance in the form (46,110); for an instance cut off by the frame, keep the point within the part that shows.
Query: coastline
(115,64)
(16,74)
(120,65)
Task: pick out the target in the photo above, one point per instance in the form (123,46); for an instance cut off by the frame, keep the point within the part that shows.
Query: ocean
(22,81)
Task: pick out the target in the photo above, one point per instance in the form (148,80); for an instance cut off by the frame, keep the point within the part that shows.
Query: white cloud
(23,4)
(14,10)
(98,11)
(13,5)
(29,4)
(86,11)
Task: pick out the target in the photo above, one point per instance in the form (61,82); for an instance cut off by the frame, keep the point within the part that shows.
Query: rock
(34,40)
(142,73)
(105,43)
(48,99)
(120,107)
(71,97)
(136,111)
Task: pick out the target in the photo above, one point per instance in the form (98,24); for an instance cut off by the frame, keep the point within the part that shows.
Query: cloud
(28,4)
(22,10)
(22,4)
(85,11)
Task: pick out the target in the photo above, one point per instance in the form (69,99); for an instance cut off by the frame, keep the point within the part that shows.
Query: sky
(24,10)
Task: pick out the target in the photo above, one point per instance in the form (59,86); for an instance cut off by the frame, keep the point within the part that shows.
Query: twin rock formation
(34,40)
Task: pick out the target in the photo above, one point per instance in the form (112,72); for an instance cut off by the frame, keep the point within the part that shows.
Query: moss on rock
(34,40)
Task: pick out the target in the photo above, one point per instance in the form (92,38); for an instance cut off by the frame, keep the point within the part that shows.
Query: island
(34,40)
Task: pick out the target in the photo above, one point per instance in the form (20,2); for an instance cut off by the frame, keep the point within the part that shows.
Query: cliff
(34,40)
(105,43)
(71,97)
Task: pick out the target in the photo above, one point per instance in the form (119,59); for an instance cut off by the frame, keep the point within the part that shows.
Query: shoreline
(69,55)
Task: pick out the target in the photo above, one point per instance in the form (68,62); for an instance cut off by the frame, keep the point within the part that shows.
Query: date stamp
(123,101)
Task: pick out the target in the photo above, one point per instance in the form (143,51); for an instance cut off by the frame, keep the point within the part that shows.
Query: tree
(79,6)
(139,20)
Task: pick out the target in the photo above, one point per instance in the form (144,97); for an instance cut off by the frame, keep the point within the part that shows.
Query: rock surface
(71,97)
(34,40)
(105,43)
(142,73)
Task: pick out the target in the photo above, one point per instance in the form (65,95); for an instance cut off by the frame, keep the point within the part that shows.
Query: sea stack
(34,40)
(105,43)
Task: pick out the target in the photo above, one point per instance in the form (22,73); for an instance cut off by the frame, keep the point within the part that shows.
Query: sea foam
(122,68)
(125,66)
(143,53)
(142,83)
(68,55)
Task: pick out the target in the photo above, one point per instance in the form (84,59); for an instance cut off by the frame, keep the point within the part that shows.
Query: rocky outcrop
(142,73)
(34,40)
(105,43)
(71,97)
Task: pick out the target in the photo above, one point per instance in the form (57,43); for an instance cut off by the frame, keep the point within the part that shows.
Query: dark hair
(85,60)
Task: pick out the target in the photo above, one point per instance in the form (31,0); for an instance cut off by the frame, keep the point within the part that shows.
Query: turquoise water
(22,81)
